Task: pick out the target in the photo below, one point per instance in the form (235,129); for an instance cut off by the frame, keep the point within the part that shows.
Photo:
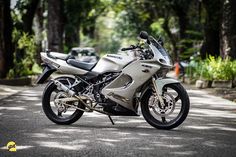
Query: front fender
(162,82)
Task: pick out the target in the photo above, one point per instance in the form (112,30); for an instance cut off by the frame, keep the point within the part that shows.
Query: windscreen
(159,52)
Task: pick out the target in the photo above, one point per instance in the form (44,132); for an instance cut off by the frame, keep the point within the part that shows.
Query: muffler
(71,93)
(64,88)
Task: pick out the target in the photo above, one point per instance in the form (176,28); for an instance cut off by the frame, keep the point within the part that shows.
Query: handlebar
(126,49)
(132,47)
(129,48)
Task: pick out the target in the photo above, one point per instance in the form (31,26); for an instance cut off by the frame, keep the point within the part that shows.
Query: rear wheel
(174,111)
(56,112)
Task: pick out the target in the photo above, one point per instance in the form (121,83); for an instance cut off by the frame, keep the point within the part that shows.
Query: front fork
(158,92)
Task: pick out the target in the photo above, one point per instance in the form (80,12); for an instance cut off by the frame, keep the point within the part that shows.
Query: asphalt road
(210,130)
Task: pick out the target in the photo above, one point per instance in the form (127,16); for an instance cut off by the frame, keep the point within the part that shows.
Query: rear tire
(50,88)
(181,116)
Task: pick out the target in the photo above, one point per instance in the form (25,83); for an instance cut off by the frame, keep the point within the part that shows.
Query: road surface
(209,130)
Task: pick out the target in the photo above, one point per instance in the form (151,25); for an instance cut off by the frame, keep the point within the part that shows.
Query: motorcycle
(116,86)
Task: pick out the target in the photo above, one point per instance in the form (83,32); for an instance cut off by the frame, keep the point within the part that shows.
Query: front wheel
(172,113)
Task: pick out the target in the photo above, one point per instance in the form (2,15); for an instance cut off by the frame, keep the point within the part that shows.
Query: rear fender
(47,71)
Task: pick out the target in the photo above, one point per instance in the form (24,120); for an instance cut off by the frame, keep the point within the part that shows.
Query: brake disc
(166,110)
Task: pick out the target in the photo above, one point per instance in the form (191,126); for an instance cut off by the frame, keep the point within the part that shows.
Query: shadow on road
(208,131)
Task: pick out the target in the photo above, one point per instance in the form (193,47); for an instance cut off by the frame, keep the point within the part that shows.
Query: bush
(221,69)
(24,55)
(215,69)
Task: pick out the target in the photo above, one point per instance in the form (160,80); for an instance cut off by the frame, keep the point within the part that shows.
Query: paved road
(210,130)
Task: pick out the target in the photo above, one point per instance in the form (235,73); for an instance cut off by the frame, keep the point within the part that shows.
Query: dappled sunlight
(58,145)
(94,114)
(30,98)
(145,148)
(38,104)
(123,133)
(69,130)
(109,144)
(18,147)
(144,134)
(136,121)
(212,113)
(172,138)
(46,135)
(167,145)
(10,108)
(108,140)
(210,143)
(199,127)
(184,153)
(205,127)
(110,129)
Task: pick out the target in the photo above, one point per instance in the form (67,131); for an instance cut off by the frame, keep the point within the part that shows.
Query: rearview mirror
(143,35)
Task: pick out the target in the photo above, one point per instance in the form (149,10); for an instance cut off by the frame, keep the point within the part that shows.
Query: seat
(80,64)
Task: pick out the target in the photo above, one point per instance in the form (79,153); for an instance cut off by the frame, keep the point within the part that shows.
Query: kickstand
(111,120)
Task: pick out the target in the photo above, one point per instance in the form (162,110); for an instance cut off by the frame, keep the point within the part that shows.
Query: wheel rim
(59,110)
(172,110)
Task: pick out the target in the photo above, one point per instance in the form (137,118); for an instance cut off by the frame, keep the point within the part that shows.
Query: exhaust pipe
(72,94)
(68,91)
(64,88)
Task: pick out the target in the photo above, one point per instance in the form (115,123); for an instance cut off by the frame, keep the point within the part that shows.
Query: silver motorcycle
(116,86)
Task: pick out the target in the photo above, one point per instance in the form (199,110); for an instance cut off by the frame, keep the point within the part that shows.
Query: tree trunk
(28,17)
(228,29)
(165,26)
(211,44)
(6,55)
(39,20)
(181,8)
(89,30)
(55,25)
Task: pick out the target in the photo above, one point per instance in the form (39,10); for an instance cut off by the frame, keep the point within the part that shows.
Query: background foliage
(186,26)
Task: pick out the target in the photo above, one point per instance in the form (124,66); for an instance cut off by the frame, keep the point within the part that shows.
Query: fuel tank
(112,63)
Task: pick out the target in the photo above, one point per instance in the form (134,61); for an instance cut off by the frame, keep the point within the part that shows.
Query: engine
(101,82)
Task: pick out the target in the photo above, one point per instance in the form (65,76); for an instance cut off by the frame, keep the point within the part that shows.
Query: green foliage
(221,69)
(25,48)
(215,69)
(108,41)
(132,17)
(190,45)
(203,70)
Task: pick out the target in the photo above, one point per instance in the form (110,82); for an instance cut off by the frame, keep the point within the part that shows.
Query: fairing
(112,63)
(137,73)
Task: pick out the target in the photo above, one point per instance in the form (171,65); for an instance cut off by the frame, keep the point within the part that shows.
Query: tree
(82,16)
(6,56)
(55,25)
(228,29)
(27,10)
(211,43)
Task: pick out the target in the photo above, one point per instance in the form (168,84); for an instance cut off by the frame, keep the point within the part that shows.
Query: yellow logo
(11,146)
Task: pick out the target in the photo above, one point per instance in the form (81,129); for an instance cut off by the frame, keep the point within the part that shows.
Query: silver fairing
(112,63)
(122,90)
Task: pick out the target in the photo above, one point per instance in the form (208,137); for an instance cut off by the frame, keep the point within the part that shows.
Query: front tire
(48,105)
(166,117)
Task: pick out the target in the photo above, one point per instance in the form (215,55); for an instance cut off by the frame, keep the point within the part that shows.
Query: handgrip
(129,48)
